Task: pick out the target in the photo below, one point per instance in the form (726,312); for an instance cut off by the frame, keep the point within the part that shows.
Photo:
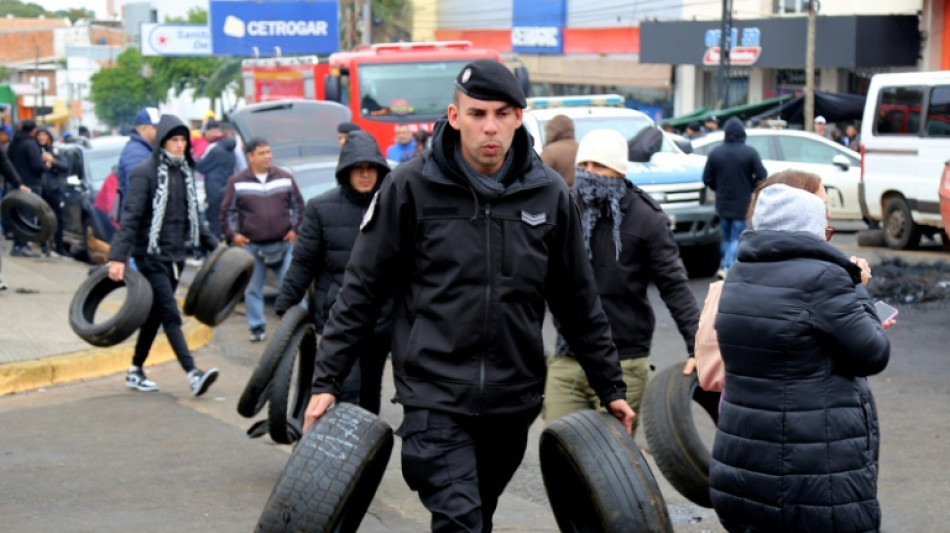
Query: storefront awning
(60,113)
(744,112)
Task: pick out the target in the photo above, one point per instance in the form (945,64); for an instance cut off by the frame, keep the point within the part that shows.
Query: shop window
(898,111)
(938,112)
(780,7)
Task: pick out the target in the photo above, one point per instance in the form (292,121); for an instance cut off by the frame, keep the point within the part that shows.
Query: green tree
(22,10)
(75,14)
(119,92)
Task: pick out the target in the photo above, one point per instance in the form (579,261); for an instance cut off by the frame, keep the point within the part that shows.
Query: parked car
(87,230)
(945,204)
(839,167)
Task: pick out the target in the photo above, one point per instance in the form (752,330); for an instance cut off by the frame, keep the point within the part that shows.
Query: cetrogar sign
(268,28)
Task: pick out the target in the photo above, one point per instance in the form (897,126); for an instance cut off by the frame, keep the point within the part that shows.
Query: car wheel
(900,231)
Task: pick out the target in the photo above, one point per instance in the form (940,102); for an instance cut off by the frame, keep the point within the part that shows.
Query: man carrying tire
(30,163)
(8,180)
(261,212)
(159,227)
(630,245)
(471,240)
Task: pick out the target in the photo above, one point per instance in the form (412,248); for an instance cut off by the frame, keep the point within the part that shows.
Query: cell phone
(884,312)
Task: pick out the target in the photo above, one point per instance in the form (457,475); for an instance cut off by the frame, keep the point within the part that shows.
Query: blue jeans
(254,294)
(731,229)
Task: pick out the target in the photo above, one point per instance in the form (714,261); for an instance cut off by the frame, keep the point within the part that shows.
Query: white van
(905,140)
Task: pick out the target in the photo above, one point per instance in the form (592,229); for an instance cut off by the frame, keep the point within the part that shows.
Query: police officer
(471,239)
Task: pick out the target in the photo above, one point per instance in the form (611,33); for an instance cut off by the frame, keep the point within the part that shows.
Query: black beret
(347,127)
(487,79)
(694,126)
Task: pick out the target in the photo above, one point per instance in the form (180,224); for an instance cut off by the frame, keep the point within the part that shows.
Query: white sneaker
(135,379)
(201,380)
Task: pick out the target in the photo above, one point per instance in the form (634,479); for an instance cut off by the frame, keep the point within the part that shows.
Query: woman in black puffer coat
(330,227)
(797,441)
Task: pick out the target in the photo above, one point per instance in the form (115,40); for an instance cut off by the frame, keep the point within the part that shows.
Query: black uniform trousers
(460,465)
(163,277)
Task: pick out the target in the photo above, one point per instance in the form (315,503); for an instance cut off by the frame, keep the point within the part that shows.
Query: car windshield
(393,90)
(628,126)
(101,162)
(293,128)
(313,180)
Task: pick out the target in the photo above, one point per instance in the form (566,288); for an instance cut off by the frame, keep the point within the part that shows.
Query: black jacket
(470,279)
(732,170)
(131,239)
(54,176)
(218,165)
(797,441)
(330,226)
(27,159)
(10,178)
(647,253)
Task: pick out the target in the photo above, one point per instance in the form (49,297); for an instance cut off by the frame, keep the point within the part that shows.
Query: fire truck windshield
(394,90)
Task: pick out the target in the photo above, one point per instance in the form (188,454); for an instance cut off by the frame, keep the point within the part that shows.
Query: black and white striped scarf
(160,201)
(599,197)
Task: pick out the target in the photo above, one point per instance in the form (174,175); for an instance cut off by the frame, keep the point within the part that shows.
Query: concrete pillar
(756,85)
(688,90)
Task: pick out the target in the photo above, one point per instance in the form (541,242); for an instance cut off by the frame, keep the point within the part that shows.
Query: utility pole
(810,68)
(367,21)
(725,48)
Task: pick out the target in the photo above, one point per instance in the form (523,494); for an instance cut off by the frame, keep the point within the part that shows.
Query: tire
(670,430)
(596,478)
(28,216)
(332,474)
(900,231)
(292,379)
(257,391)
(219,285)
(130,317)
(871,238)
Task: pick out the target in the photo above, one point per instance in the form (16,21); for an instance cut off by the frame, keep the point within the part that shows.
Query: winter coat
(330,226)
(54,176)
(262,212)
(131,239)
(217,165)
(732,171)
(470,279)
(10,178)
(644,144)
(27,159)
(134,153)
(797,441)
(401,152)
(560,148)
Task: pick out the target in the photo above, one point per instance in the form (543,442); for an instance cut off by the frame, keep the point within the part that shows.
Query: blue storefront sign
(538,26)
(267,28)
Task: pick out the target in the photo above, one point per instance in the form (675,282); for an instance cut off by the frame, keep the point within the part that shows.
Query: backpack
(709,367)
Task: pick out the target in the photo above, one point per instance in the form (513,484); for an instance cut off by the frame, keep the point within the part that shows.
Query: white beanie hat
(606,147)
(784,208)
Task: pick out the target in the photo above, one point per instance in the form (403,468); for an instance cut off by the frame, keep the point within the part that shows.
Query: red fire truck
(383,84)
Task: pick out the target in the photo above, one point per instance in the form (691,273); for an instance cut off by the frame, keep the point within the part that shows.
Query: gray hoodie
(784,208)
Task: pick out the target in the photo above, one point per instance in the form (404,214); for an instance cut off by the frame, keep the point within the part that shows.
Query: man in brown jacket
(560,147)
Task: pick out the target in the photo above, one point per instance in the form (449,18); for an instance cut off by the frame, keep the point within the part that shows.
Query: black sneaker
(135,379)
(201,380)
(23,251)
(3,286)
(257,335)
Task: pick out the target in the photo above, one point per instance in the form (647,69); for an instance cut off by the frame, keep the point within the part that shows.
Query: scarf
(597,197)
(160,201)
(486,187)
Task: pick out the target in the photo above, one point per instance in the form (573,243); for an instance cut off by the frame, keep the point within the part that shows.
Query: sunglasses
(829,232)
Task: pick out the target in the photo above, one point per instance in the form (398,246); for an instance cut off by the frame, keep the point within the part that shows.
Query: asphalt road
(93,456)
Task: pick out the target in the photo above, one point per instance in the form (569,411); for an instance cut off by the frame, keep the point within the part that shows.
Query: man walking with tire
(261,212)
(471,240)
(30,163)
(159,227)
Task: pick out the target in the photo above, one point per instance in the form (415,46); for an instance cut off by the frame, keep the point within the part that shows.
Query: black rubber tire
(596,478)
(191,297)
(292,379)
(670,430)
(125,322)
(872,238)
(220,287)
(28,216)
(257,391)
(332,474)
(900,231)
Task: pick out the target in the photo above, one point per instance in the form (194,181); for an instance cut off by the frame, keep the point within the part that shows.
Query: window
(898,111)
(790,6)
(938,112)
(704,150)
(389,91)
(762,145)
(801,150)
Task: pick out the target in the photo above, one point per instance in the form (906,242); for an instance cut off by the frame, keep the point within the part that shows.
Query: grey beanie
(783,208)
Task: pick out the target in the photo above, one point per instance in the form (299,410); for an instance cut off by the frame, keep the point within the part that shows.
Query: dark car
(87,230)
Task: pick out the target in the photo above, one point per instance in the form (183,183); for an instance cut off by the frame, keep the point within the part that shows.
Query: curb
(93,363)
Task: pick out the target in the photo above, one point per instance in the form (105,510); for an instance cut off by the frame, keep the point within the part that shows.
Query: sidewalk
(37,346)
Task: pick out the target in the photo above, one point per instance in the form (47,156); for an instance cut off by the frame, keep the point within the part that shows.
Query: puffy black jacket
(131,239)
(27,159)
(797,441)
(470,280)
(330,226)
(732,170)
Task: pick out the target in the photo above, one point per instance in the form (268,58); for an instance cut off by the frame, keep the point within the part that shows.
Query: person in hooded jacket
(470,240)
(629,245)
(560,147)
(797,439)
(53,187)
(137,150)
(733,169)
(159,227)
(330,226)
(30,163)
(218,164)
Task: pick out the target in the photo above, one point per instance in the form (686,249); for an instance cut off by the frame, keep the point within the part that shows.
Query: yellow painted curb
(93,363)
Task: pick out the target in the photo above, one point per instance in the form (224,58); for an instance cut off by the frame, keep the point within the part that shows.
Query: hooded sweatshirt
(783,208)
(27,159)
(560,147)
(732,171)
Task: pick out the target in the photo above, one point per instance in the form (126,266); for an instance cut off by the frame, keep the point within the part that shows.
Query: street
(93,456)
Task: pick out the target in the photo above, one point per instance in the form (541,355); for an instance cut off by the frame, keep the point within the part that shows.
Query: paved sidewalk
(37,346)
